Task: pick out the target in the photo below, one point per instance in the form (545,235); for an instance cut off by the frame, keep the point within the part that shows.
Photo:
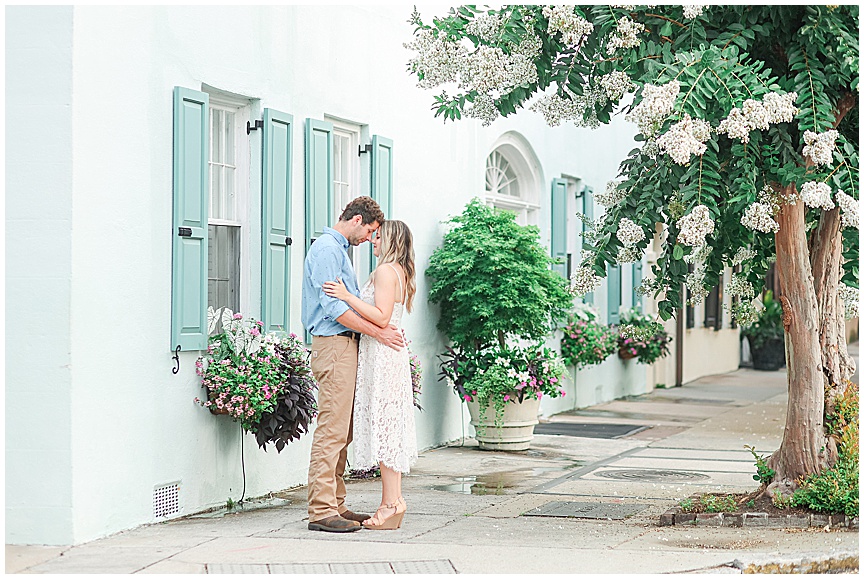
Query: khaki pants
(334,365)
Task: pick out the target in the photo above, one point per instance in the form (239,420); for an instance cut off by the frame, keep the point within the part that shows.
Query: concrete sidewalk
(473,511)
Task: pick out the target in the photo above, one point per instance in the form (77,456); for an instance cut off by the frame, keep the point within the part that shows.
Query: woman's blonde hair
(397,246)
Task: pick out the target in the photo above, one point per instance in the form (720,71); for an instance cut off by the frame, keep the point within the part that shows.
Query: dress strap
(399,277)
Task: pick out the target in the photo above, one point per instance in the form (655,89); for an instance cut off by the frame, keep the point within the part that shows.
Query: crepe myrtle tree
(747,154)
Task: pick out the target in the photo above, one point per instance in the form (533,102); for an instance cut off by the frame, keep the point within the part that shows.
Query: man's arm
(389,336)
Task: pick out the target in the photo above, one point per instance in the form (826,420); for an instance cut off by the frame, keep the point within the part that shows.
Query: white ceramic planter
(517,425)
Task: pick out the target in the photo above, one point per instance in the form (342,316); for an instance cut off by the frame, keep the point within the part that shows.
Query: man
(335,330)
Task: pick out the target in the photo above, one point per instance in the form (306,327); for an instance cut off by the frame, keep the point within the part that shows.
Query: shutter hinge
(364,149)
(259,124)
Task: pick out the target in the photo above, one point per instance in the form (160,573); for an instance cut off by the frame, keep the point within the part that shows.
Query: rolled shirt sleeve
(327,268)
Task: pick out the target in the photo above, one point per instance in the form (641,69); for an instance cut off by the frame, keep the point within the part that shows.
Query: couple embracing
(361,364)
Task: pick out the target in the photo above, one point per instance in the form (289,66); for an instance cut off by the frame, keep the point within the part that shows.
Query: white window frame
(350,132)
(518,154)
(242,187)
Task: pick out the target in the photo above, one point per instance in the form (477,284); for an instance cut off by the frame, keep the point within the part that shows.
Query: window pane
(223,271)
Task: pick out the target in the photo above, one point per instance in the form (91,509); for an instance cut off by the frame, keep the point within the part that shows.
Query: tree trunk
(803,450)
(826,259)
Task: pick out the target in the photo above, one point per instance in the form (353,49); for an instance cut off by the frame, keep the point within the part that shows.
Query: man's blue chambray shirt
(327,260)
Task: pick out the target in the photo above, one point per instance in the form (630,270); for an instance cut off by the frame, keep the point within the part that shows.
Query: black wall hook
(176,358)
(258,125)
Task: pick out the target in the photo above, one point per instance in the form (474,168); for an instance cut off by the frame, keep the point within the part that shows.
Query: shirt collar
(343,241)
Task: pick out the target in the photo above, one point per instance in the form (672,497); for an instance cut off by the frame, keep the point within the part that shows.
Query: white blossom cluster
(820,146)
(648,286)
(684,138)
(752,115)
(850,298)
(781,107)
(760,217)
(629,233)
(484,109)
(739,286)
(584,280)
(656,104)
(695,226)
(629,255)
(487,27)
(635,332)
(849,208)
(556,108)
(691,11)
(625,35)
(623,6)
(571,26)
(744,312)
(743,254)
(489,70)
(612,196)
(816,195)
(615,84)
(695,282)
(435,58)
(699,255)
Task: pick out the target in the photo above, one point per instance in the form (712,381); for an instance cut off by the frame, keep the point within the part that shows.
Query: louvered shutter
(189,231)
(276,219)
(382,174)
(587,211)
(637,280)
(613,305)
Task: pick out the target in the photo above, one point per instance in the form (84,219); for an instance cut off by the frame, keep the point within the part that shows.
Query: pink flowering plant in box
(261,380)
(585,340)
(503,375)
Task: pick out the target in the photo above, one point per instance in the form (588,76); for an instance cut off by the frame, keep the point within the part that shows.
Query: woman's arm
(385,297)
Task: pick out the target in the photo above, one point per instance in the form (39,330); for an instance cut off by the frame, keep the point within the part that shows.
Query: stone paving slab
(686,464)
(413,525)
(701,454)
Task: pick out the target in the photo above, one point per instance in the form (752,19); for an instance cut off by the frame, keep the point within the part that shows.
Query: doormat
(613,511)
(588,430)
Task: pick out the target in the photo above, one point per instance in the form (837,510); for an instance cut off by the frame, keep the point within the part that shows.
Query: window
(346,182)
(513,180)
(228,235)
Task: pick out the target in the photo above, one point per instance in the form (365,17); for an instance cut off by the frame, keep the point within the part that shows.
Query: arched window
(513,180)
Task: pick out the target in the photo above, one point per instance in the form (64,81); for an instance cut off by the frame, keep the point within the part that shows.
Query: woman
(384,401)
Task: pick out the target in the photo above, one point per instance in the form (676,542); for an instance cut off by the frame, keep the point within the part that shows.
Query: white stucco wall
(38,274)
(121,422)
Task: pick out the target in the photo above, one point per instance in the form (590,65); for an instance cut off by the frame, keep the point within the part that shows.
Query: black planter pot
(771,356)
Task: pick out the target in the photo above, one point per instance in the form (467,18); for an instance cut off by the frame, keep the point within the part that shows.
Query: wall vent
(166,500)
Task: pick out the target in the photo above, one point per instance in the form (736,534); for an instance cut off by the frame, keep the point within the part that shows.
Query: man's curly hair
(364,206)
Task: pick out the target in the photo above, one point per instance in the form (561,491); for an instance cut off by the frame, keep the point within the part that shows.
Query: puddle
(499,483)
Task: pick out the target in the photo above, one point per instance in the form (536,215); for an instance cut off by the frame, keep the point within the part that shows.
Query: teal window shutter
(382,174)
(637,280)
(614,286)
(276,219)
(189,233)
(319,179)
(587,211)
(559,225)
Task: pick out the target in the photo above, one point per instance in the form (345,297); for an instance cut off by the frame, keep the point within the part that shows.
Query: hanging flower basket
(626,353)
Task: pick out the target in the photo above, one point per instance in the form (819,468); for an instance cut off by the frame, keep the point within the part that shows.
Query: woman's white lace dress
(383,400)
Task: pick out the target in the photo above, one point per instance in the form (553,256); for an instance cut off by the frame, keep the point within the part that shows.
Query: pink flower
(260,323)
(506,397)
(238,316)
(553,380)
(466,398)
(255,332)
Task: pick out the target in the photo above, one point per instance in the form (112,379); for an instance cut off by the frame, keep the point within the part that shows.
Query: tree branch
(844,105)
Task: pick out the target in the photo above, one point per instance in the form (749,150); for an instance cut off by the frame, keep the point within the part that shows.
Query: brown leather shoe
(334,524)
(359,517)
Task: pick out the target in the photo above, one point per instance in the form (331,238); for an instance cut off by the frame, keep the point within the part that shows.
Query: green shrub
(835,490)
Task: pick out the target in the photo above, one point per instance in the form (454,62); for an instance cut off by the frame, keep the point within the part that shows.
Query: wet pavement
(570,504)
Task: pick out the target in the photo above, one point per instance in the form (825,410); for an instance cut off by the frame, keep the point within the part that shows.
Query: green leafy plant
(262,381)
(416,377)
(643,338)
(493,282)
(768,325)
(586,341)
(686,504)
(764,474)
(836,489)
(718,504)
